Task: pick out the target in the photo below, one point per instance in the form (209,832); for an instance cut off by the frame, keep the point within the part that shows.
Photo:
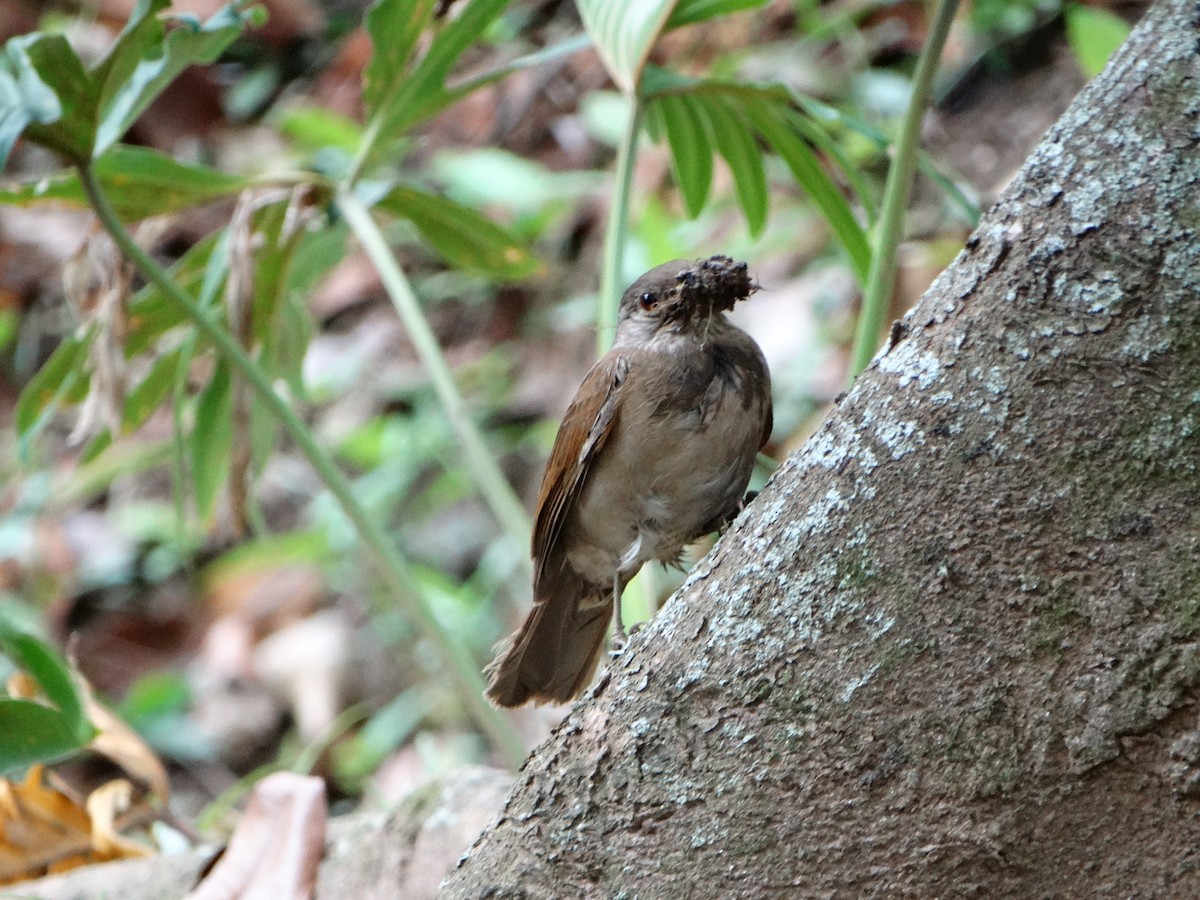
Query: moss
(1180,589)
(757,689)
(1174,100)
(1112,477)
(896,654)
(1054,616)
(1161,447)
(980,749)
(855,568)
(997,779)
(794,703)
(1186,614)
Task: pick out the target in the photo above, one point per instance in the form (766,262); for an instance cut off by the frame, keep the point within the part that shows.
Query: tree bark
(953,649)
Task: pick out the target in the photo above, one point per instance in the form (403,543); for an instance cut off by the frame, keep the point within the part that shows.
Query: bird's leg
(619,640)
(721,525)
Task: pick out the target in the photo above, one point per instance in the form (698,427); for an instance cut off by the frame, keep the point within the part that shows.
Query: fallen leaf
(121,744)
(104,804)
(44,831)
(277,846)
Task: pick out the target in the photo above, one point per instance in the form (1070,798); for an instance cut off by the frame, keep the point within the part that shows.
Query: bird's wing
(585,428)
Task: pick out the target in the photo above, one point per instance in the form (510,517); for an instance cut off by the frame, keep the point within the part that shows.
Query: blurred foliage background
(159,517)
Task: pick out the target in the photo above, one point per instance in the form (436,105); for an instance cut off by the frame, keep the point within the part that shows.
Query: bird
(655,450)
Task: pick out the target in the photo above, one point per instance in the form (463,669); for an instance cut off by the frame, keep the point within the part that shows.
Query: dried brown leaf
(104,804)
(43,830)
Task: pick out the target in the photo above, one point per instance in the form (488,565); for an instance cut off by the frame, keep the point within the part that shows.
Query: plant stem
(480,463)
(890,228)
(392,566)
(366,145)
(618,230)
(552,53)
(180,481)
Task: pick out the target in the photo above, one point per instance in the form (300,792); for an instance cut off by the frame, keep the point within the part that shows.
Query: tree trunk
(954,647)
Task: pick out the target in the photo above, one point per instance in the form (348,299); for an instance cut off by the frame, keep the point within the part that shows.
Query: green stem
(480,463)
(890,228)
(180,483)
(618,230)
(366,145)
(528,61)
(392,566)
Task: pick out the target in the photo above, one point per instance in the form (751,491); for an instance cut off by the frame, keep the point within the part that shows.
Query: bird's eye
(648,300)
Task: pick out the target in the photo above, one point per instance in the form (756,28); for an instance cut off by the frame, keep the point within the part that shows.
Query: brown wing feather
(553,654)
(584,430)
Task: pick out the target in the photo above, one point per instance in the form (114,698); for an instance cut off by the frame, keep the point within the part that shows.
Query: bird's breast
(680,454)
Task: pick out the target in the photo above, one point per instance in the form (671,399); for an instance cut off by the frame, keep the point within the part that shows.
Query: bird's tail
(553,655)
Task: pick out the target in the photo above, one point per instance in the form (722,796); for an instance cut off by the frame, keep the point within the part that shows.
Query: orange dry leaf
(114,739)
(104,804)
(43,831)
(125,747)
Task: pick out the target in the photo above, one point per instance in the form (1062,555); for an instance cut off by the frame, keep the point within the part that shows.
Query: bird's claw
(617,645)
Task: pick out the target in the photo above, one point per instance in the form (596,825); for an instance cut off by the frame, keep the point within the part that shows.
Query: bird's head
(684,294)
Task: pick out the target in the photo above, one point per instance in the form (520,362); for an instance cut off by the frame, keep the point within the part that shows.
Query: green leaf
(142,29)
(154,695)
(45,93)
(820,138)
(212,440)
(51,384)
(148,56)
(715,99)
(144,182)
(739,149)
(97,445)
(494,179)
(1094,35)
(806,169)
(140,182)
(827,116)
(386,730)
(149,393)
(691,155)
(32,733)
(286,346)
(624,31)
(51,673)
(10,327)
(270,266)
(463,236)
(151,313)
(657,81)
(279,325)
(269,552)
(405,99)
(393,26)
(691,11)
(314,128)
(91,479)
